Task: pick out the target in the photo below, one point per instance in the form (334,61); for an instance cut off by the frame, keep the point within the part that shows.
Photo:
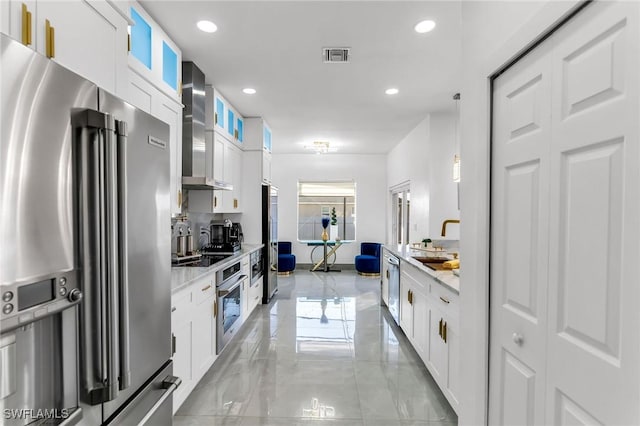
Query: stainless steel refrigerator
(85,190)
(270,241)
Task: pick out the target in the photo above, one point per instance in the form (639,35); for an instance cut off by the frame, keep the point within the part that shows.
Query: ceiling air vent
(336,54)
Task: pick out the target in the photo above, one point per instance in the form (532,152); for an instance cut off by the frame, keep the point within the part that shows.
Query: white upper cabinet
(153,54)
(222,117)
(88,37)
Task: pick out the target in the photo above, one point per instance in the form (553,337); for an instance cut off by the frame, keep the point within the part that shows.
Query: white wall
(425,158)
(493,34)
(369,173)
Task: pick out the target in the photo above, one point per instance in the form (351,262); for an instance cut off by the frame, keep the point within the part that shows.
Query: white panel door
(594,299)
(520,185)
(565,293)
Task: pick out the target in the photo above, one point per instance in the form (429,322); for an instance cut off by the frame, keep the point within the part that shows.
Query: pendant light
(456,156)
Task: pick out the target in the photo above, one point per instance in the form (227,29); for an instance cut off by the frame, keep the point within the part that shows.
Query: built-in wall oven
(256,266)
(229,288)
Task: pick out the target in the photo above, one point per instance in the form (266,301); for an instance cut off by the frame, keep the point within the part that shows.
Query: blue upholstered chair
(286,260)
(368,261)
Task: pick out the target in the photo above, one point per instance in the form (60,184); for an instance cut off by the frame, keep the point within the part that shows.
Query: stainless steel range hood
(197,155)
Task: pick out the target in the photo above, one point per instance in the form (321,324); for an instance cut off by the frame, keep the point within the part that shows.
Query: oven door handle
(228,289)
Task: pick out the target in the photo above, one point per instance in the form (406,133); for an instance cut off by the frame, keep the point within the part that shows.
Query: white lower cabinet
(182,334)
(429,318)
(194,311)
(204,325)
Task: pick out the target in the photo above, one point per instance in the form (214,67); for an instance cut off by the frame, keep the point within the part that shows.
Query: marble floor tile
(324,351)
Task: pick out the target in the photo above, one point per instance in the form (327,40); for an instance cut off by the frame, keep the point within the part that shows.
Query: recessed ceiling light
(249,91)
(392,91)
(207,26)
(425,26)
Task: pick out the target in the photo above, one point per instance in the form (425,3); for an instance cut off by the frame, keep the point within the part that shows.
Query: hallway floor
(322,351)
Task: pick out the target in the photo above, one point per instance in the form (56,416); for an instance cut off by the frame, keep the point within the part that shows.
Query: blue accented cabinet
(240,129)
(154,56)
(266,138)
(223,118)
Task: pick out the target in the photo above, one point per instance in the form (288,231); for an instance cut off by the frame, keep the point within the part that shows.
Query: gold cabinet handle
(128,42)
(206,288)
(215,308)
(444,300)
(26,25)
(179,198)
(50,39)
(215,201)
(215,118)
(440,328)
(444,332)
(235,203)
(387,274)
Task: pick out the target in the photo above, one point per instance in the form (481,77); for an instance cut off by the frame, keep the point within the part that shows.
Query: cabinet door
(406,309)
(453,364)
(234,158)
(421,308)
(385,281)
(218,157)
(204,348)
(12,22)
(266,138)
(437,351)
(219,111)
(170,112)
(240,129)
(231,123)
(90,38)
(182,336)
(266,167)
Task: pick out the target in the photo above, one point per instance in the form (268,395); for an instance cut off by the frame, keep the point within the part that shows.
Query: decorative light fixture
(321,147)
(391,91)
(456,157)
(249,91)
(424,26)
(207,26)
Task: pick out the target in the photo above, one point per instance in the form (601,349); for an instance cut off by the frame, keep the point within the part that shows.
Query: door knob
(518,339)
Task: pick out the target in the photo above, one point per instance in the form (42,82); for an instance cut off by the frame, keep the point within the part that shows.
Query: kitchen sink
(433,263)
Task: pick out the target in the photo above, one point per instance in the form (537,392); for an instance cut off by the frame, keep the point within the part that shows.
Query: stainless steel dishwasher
(394,287)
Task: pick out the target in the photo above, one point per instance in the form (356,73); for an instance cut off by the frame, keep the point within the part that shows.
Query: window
(318,199)
(401,205)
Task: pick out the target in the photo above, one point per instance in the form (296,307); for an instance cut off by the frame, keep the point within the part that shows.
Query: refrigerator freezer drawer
(153,404)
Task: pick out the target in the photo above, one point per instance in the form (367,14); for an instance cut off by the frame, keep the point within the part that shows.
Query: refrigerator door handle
(170,383)
(125,353)
(110,257)
(95,192)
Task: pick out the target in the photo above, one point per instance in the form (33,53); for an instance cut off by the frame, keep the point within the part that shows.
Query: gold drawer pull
(207,288)
(444,300)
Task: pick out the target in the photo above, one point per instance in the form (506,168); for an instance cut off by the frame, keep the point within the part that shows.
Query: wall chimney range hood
(196,153)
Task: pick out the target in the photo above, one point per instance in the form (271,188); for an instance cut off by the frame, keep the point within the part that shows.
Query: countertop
(182,276)
(445,278)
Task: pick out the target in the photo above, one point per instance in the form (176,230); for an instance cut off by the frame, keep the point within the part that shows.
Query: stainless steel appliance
(270,241)
(257,271)
(228,286)
(394,287)
(85,190)
(224,237)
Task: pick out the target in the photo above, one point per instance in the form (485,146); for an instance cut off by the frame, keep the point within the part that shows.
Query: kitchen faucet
(444,225)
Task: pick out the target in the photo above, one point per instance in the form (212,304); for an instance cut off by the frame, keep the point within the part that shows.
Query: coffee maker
(226,237)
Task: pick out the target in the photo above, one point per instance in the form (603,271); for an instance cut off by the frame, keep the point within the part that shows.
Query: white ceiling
(276,48)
